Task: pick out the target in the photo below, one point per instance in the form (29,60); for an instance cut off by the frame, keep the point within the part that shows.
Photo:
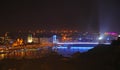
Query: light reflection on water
(40,52)
(28,53)
(67,52)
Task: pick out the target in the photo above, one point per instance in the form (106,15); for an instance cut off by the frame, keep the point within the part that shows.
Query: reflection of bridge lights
(82,47)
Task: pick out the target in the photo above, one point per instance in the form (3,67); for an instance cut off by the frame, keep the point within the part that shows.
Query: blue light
(62,47)
(80,38)
(77,42)
(75,47)
(54,38)
(82,47)
(108,38)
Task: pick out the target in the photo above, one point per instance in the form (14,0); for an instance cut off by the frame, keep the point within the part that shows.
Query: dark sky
(83,15)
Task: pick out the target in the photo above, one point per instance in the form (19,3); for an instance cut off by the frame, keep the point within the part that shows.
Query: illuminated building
(54,39)
(30,39)
(18,42)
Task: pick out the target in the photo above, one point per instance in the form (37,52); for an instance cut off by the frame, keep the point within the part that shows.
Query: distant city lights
(54,38)
(30,40)
(100,38)
(118,35)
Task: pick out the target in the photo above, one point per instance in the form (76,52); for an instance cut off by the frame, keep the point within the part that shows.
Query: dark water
(41,52)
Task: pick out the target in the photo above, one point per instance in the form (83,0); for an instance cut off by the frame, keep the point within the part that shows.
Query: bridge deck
(79,43)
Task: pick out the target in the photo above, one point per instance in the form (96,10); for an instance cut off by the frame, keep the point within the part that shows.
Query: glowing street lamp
(30,40)
(100,38)
(118,35)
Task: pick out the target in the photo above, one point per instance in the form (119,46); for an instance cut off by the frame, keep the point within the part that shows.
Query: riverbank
(101,57)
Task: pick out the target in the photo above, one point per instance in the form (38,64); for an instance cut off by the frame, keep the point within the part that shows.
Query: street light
(100,38)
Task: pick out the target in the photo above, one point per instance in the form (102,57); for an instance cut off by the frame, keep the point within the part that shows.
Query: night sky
(82,15)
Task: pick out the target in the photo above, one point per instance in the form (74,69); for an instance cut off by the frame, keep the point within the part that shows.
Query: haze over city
(60,35)
(82,15)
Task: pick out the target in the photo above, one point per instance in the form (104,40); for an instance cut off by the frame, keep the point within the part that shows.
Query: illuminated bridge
(79,43)
(55,41)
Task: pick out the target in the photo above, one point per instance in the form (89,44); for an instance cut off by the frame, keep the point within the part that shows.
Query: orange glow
(18,42)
